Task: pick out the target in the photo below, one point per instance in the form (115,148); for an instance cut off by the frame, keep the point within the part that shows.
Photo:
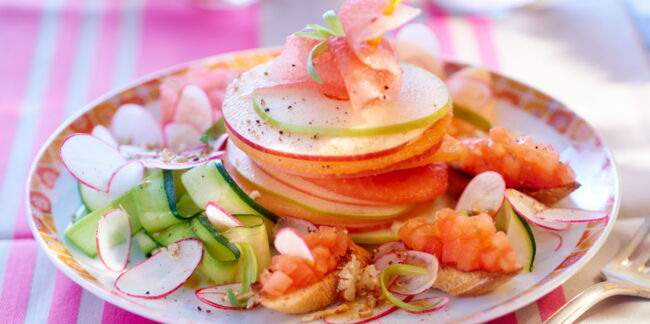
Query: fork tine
(640,235)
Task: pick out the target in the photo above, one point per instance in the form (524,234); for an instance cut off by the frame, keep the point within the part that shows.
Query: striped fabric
(58,55)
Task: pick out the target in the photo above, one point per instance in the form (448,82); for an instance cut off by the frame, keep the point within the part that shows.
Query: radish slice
(395,257)
(439,301)
(217,296)
(416,43)
(351,316)
(90,160)
(137,152)
(171,165)
(528,208)
(104,134)
(569,215)
(113,239)
(410,285)
(133,124)
(388,247)
(483,194)
(220,218)
(287,241)
(162,273)
(126,177)
(193,107)
(301,226)
(180,136)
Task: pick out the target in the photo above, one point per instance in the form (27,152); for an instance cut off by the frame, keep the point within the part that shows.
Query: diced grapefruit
(522,162)
(464,242)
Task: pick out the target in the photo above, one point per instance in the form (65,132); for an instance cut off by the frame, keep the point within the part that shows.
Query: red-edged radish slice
(113,239)
(301,226)
(181,136)
(471,88)
(133,124)
(137,152)
(126,177)
(439,301)
(528,208)
(287,241)
(351,315)
(90,160)
(172,165)
(484,193)
(395,257)
(217,296)
(193,107)
(570,215)
(104,134)
(388,247)
(162,273)
(410,285)
(219,218)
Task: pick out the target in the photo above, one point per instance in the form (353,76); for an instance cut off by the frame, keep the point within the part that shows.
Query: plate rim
(142,310)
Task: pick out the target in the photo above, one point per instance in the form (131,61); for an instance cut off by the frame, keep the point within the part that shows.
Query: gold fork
(623,275)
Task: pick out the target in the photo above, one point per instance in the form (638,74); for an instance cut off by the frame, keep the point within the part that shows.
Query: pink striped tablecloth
(57,55)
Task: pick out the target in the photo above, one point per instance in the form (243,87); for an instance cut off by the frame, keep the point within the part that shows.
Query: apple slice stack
(282,138)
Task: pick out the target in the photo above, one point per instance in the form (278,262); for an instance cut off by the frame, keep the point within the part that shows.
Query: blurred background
(58,55)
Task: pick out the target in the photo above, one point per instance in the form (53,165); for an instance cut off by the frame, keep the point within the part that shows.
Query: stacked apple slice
(283,138)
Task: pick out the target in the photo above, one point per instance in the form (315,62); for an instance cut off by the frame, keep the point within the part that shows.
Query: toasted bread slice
(551,195)
(318,295)
(468,284)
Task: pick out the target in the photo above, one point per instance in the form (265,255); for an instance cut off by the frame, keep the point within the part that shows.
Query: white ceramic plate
(52,200)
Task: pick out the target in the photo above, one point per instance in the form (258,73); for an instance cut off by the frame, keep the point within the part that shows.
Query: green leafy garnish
(249,274)
(319,49)
(334,23)
(212,134)
(387,276)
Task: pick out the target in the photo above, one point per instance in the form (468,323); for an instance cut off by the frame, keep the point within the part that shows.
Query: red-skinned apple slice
(133,124)
(484,193)
(162,273)
(220,218)
(193,107)
(351,316)
(439,301)
(528,208)
(289,242)
(301,226)
(113,239)
(181,136)
(217,296)
(104,134)
(90,160)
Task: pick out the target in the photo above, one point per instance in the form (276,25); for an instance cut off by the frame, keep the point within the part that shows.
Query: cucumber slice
(210,182)
(91,198)
(174,234)
(80,213)
(212,134)
(215,243)
(145,242)
(153,205)
(519,233)
(183,207)
(217,272)
(254,233)
(374,237)
(82,233)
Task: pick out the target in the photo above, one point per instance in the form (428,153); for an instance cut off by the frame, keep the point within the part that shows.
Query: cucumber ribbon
(394,270)
(249,274)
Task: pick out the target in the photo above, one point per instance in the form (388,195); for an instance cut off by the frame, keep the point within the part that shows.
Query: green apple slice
(267,185)
(423,100)
(374,237)
(246,124)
